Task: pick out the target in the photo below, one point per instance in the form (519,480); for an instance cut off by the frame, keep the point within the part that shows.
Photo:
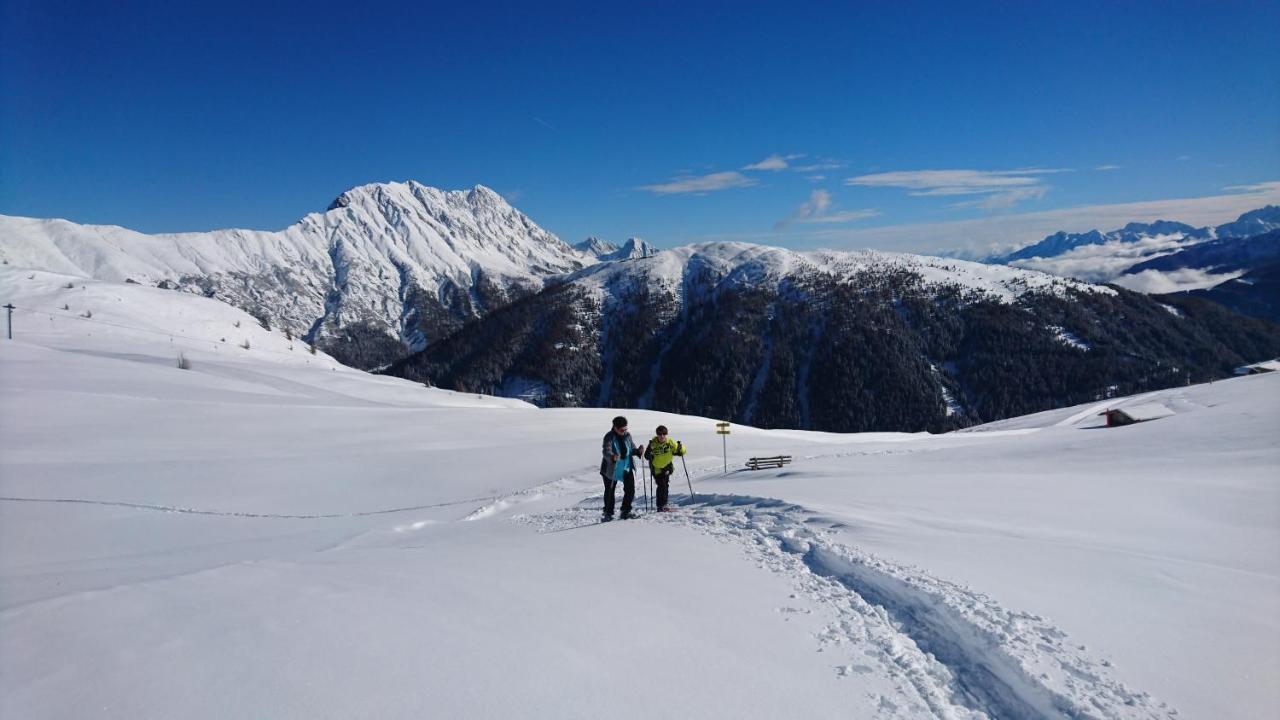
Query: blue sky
(913,126)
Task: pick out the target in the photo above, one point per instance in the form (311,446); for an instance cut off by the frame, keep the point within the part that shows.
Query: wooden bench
(759,463)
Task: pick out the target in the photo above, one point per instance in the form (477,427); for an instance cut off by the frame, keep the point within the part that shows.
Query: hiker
(661,456)
(618,466)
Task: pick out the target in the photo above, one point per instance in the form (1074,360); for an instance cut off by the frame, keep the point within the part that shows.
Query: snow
(1070,339)
(948,400)
(268,534)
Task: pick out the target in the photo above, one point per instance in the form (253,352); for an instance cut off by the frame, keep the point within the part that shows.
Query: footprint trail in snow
(952,652)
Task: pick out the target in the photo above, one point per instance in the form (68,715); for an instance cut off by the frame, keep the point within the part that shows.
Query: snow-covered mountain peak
(481,195)
(1254,222)
(636,248)
(413,196)
(595,246)
(387,262)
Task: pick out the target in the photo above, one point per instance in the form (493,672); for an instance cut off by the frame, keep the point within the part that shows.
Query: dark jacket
(623,447)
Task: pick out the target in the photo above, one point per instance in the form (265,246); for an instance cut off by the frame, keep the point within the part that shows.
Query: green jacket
(661,453)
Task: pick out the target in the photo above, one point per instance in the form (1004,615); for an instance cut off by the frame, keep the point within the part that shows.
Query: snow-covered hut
(1258,368)
(1131,414)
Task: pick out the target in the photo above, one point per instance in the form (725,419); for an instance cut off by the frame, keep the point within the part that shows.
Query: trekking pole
(653,489)
(649,498)
(686,477)
(645,465)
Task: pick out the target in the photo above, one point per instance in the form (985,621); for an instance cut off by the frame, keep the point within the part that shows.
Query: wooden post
(722,429)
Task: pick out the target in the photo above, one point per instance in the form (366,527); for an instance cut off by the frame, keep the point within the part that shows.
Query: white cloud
(1004,188)
(773,162)
(1102,263)
(1005,199)
(820,165)
(1155,281)
(815,178)
(819,201)
(1104,168)
(845,216)
(998,234)
(953,182)
(817,210)
(1272,187)
(701,183)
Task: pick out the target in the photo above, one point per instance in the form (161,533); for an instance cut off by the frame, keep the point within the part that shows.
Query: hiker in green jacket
(661,455)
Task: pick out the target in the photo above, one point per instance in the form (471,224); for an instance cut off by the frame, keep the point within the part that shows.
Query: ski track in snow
(952,652)
(556,488)
(231,513)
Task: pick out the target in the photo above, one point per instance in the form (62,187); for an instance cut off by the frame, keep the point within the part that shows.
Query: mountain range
(458,289)
(1254,222)
(385,270)
(834,341)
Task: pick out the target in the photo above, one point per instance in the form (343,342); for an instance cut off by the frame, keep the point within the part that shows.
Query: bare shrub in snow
(183,362)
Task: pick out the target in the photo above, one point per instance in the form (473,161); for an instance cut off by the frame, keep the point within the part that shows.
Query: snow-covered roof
(1144,411)
(1264,366)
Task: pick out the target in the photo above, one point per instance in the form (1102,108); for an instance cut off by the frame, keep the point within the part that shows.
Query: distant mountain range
(461,290)
(1233,263)
(1174,234)
(605,251)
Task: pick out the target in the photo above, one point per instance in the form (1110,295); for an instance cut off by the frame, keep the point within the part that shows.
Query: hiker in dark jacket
(617,466)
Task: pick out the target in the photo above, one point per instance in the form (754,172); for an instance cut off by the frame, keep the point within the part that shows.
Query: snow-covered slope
(164,328)
(398,259)
(258,536)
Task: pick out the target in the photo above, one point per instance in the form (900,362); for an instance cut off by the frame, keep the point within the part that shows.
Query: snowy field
(270,534)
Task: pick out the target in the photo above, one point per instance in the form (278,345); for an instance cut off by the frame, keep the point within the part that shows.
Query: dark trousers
(663,480)
(628,493)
